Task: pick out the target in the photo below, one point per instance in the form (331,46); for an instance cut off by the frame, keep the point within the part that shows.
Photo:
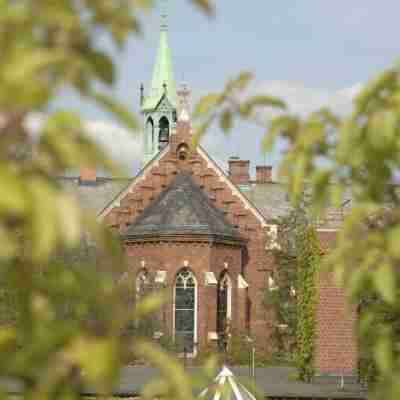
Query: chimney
(87,175)
(264,173)
(239,171)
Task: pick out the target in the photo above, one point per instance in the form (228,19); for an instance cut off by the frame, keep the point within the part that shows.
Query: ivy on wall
(308,260)
(280,299)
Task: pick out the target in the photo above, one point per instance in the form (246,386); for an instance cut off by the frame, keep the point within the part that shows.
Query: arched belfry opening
(163,135)
(150,132)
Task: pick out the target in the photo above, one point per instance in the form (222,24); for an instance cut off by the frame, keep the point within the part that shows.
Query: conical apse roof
(182,209)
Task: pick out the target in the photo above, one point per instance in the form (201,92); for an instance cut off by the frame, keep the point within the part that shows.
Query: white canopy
(226,387)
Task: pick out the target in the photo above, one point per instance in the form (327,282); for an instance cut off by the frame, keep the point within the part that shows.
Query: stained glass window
(185,303)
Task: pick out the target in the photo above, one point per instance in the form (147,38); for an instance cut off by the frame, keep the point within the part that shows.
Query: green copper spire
(163,77)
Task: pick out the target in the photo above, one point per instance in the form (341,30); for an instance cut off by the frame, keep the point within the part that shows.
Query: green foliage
(281,299)
(308,262)
(238,349)
(357,154)
(62,307)
(228,104)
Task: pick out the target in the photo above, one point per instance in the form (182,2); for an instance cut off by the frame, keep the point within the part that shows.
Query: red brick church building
(205,234)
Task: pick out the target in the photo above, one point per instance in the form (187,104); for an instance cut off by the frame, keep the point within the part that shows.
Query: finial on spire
(184,102)
(141,94)
(165,87)
(164,15)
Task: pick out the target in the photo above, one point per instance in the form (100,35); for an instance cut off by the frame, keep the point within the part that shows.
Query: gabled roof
(95,195)
(210,163)
(182,209)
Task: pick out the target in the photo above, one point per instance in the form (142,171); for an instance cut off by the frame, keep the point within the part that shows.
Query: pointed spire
(163,71)
(164,16)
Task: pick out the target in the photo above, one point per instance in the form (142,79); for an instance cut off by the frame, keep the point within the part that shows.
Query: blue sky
(309,52)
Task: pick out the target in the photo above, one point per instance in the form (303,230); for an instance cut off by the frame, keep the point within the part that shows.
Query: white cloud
(303,100)
(126,147)
(121,145)
(245,140)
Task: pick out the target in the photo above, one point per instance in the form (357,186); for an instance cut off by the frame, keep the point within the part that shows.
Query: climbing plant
(280,297)
(308,261)
(292,296)
(360,153)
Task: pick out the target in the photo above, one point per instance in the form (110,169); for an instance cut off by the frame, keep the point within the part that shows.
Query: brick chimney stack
(239,171)
(264,173)
(87,175)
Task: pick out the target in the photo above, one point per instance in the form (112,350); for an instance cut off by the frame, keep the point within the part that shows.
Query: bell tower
(159,106)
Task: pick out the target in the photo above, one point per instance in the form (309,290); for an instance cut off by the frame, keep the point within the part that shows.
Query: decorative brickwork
(252,261)
(335,342)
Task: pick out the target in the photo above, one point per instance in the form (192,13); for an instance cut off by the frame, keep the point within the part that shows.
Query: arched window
(224,308)
(163,136)
(150,133)
(185,301)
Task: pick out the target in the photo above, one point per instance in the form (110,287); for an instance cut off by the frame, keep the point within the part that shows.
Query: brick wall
(336,344)
(200,258)
(160,174)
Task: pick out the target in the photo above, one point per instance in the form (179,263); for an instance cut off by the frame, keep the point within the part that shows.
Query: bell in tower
(163,136)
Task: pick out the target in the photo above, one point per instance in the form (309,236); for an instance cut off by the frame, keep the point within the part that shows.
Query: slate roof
(270,198)
(182,209)
(94,196)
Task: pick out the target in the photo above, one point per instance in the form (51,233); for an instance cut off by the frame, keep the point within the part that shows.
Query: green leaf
(102,65)
(383,353)
(393,241)
(207,103)
(13,199)
(226,120)
(241,82)
(247,107)
(200,131)
(69,219)
(117,109)
(385,282)
(148,305)
(143,4)
(205,6)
